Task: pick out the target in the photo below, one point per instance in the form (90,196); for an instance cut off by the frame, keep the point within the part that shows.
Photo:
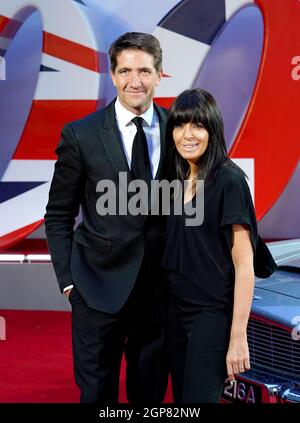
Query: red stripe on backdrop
(28,246)
(14,237)
(75,53)
(46,120)
(164,101)
(8,27)
(3,22)
(62,48)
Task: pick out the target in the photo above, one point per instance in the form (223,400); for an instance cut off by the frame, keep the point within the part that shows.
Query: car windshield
(286,253)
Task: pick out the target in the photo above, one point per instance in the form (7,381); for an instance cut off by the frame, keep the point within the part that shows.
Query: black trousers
(99,340)
(197,342)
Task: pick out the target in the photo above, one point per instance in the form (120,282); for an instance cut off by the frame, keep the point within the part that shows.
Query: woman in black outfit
(210,266)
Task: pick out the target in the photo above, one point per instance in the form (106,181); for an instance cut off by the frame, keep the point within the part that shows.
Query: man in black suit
(109,267)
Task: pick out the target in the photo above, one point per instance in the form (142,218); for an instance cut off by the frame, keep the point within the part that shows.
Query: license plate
(242,391)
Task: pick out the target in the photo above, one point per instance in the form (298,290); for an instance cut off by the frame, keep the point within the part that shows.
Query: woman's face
(191,140)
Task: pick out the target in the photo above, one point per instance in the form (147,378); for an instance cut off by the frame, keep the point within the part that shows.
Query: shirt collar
(124,116)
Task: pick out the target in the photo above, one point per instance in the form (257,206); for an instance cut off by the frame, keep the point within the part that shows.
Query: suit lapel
(112,142)
(162,126)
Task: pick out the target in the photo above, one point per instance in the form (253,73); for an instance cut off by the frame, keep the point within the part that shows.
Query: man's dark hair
(136,41)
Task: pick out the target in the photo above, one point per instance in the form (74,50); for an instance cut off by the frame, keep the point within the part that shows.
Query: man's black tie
(140,162)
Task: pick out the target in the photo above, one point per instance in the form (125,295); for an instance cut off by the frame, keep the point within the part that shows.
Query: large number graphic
(270,130)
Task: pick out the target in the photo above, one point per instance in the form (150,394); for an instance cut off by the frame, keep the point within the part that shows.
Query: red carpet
(36,359)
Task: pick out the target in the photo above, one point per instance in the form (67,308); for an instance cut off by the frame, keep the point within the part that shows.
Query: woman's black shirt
(201,255)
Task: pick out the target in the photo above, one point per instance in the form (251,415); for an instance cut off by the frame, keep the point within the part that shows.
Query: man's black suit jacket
(104,254)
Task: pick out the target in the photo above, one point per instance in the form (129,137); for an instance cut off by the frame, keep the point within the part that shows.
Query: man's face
(135,79)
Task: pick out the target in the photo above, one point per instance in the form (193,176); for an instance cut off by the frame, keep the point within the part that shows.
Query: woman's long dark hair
(197,106)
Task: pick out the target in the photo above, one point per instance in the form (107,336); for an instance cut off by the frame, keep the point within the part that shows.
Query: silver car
(273,334)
